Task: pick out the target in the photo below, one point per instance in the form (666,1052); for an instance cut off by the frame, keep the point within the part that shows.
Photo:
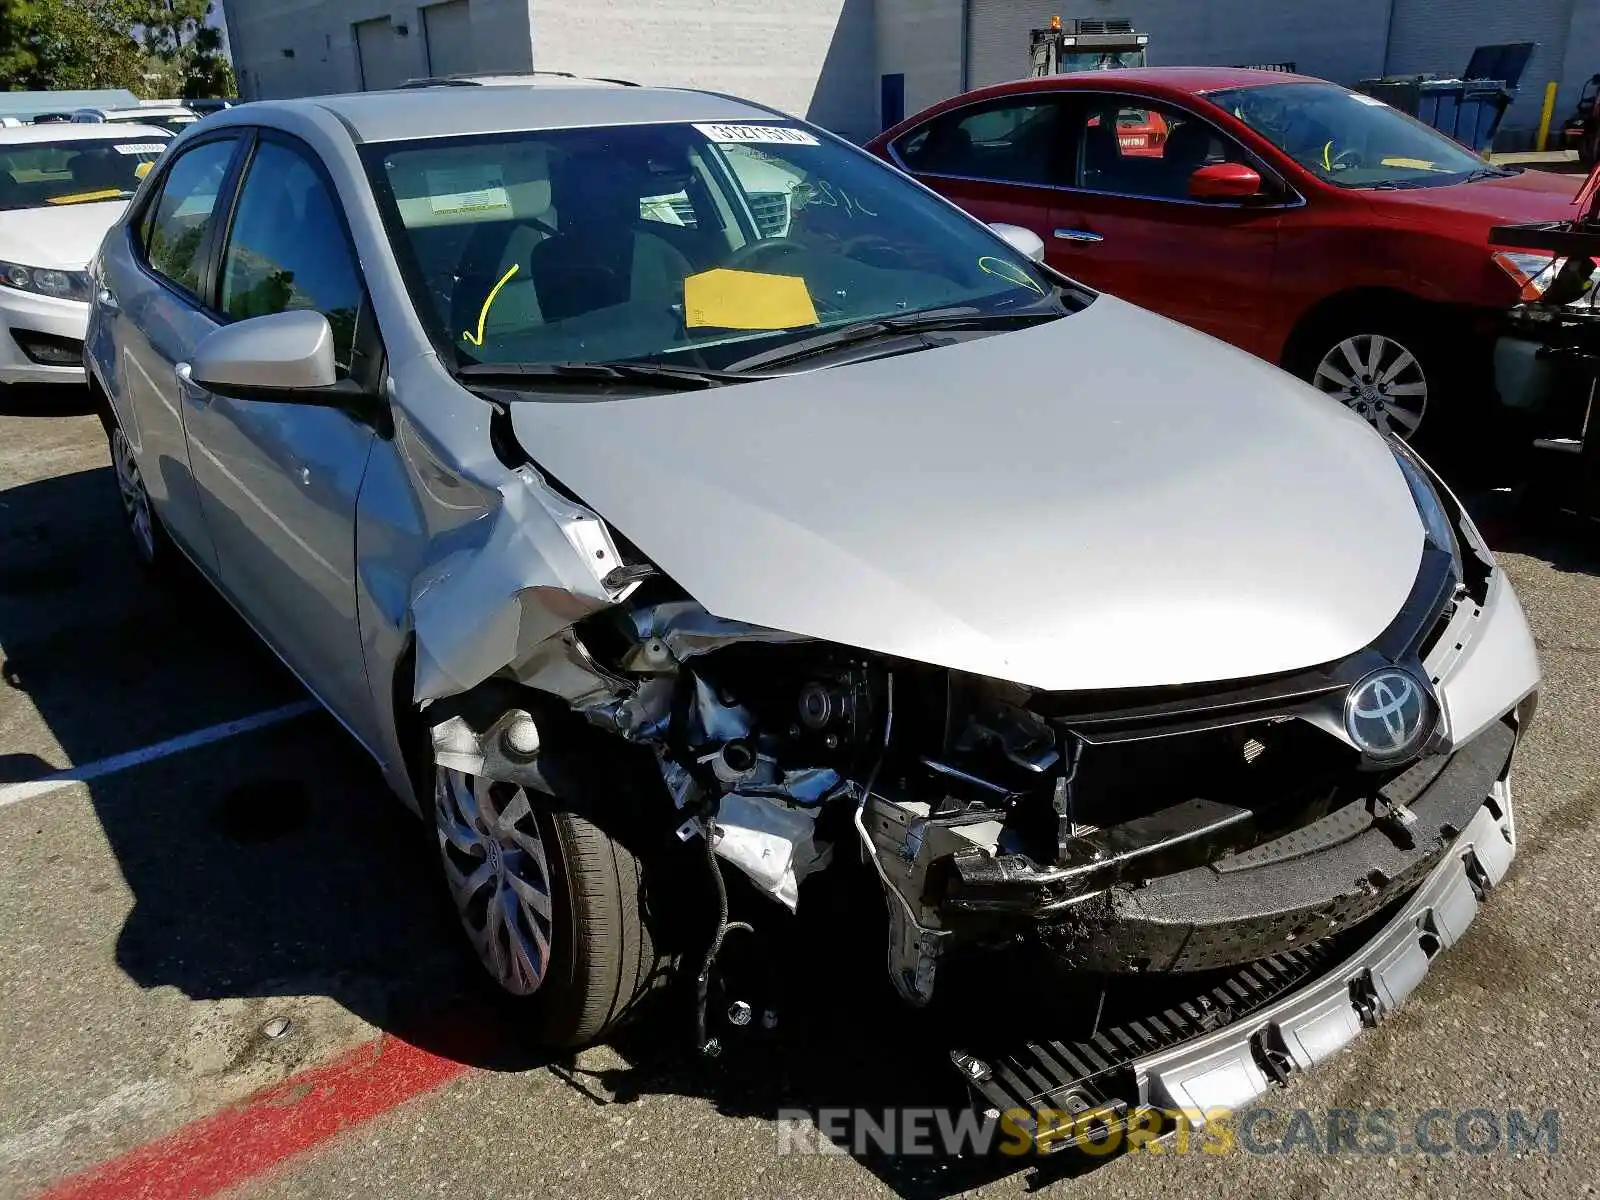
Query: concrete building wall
(815,58)
(320,38)
(922,40)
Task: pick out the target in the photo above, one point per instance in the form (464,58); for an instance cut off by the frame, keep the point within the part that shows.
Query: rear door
(1126,222)
(151,286)
(1000,160)
(281,480)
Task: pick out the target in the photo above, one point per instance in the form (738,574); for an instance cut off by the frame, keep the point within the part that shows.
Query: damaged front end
(1154,830)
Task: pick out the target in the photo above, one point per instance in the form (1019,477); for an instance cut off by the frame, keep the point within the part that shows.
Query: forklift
(1581,131)
(1089,45)
(1547,359)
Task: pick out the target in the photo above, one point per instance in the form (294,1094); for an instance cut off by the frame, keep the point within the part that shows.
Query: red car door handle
(1078,235)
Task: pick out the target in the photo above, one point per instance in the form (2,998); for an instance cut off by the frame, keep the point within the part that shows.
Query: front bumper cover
(1223,1048)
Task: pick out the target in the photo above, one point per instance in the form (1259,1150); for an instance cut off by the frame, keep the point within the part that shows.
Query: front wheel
(553,907)
(1382,376)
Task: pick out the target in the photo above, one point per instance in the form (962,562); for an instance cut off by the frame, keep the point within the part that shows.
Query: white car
(61,188)
(174,118)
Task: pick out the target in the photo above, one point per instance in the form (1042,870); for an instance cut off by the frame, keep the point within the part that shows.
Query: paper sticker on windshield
(769,135)
(729,299)
(1370,101)
(476,188)
(140,148)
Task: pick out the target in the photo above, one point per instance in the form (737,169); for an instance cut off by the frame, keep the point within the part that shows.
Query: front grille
(48,349)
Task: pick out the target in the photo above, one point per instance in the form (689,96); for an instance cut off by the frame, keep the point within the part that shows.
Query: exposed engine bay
(1171,829)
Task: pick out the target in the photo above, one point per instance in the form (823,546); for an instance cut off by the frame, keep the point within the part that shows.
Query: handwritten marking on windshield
(483,313)
(1010,272)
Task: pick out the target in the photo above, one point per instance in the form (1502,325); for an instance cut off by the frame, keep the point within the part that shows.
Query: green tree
(67,44)
(176,34)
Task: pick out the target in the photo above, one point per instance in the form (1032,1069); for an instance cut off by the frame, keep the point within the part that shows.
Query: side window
(175,225)
(1014,141)
(1147,149)
(288,248)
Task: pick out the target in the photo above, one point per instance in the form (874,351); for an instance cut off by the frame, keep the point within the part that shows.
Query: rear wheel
(552,906)
(150,542)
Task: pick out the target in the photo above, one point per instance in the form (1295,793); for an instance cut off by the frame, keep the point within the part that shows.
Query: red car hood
(1529,196)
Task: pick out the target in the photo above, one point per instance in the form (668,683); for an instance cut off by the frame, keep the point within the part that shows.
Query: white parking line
(11,793)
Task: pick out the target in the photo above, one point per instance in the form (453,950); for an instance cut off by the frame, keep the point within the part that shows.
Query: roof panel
(445,111)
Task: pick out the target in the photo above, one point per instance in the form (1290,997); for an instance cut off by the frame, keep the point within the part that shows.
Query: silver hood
(1111,500)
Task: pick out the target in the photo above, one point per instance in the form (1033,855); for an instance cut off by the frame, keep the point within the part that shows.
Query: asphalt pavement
(227,947)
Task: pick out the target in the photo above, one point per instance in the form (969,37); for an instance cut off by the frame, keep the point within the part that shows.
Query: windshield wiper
(1488,173)
(653,374)
(932,321)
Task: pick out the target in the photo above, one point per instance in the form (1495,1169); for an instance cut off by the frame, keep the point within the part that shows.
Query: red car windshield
(1348,139)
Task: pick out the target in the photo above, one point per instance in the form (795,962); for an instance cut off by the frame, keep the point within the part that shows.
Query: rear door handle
(1078,235)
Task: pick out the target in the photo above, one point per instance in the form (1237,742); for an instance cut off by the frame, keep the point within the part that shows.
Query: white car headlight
(46,281)
(1437,522)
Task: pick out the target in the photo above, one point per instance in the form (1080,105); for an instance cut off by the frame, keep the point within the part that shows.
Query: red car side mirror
(1224,181)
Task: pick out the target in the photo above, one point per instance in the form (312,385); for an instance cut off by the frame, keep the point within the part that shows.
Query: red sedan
(1308,224)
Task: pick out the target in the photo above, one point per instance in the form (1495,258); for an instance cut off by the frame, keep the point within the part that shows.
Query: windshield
(1349,139)
(1099,60)
(79,171)
(688,244)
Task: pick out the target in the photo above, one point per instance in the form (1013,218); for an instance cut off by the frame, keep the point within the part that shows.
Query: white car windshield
(679,243)
(76,171)
(1349,139)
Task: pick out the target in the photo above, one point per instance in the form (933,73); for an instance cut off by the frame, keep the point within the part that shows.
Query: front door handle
(1078,235)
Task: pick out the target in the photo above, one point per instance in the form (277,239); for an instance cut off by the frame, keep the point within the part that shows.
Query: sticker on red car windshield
(770,135)
(1372,101)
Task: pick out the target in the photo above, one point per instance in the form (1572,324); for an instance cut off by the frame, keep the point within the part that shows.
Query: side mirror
(270,357)
(1225,181)
(1024,241)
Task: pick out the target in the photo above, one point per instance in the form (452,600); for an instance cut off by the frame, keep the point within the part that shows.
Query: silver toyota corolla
(651,482)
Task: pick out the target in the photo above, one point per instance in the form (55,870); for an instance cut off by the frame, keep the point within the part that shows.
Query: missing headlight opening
(1150,830)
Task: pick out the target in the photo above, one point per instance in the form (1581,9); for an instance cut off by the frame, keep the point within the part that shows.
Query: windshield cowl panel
(1348,139)
(685,245)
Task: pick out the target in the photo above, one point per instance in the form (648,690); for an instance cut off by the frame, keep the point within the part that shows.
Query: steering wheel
(1346,160)
(765,247)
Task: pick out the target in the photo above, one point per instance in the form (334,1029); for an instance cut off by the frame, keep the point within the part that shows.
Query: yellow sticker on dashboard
(1414,164)
(87,197)
(729,299)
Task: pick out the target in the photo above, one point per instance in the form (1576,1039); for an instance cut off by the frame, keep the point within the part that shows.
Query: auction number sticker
(140,148)
(766,135)
(468,188)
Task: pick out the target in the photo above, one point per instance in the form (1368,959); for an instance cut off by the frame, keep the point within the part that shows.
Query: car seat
(603,255)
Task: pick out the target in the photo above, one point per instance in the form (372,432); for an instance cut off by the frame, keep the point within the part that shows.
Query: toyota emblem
(1388,714)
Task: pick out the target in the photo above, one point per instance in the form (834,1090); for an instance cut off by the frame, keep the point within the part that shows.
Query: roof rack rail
(476,78)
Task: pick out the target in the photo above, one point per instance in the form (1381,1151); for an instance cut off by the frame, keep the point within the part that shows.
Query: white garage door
(998,46)
(378,56)
(449,31)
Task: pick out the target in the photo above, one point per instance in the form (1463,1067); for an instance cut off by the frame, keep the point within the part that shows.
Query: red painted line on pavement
(221,1151)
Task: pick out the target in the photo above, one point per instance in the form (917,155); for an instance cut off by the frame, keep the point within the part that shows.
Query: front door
(1127,224)
(280,480)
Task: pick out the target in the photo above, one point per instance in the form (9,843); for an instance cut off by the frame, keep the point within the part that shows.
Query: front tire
(552,906)
(1385,375)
